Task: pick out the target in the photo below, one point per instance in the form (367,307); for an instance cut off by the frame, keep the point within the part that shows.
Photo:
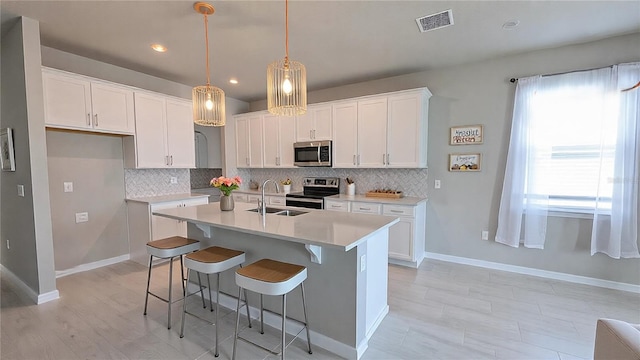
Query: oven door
(306,202)
(312,153)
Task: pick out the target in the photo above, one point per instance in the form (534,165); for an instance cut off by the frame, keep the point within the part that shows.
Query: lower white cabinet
(406,238)
(277,200)
(145,227)
(239,197)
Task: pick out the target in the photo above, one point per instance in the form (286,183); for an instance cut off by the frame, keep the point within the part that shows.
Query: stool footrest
(163,299)
(266,348)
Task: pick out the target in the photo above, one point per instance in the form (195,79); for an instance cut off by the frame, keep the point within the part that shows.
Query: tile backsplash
(154,182)
(200,178)
(413,182)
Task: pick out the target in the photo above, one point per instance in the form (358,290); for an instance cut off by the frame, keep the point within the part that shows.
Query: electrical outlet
(363,263)
(485,235)
(68,186)
(82,217)
(8,246)
(21,190)
(437,184)
(174,180)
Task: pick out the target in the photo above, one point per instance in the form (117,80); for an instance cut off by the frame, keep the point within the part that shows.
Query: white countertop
(317,227)
(167,198)
(411,201)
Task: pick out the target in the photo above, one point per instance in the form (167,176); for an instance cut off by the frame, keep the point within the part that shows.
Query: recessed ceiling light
(158,47)
(233,81)
(511,24)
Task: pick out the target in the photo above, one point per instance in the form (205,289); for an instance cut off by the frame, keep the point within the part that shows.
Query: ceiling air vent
(435,21)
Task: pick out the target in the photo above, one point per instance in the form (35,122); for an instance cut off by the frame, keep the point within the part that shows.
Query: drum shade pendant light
(286,82)
(208,101)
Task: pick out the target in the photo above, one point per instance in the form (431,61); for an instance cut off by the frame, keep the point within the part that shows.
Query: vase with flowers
(286,185)
(226,186)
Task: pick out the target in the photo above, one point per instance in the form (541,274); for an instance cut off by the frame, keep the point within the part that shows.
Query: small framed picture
(466,135)
(7,159)
(464,162)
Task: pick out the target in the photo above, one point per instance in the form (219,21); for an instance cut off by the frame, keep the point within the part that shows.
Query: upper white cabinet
(382,131)
(249,140)
(315,124)
(360,134)
(164,133)
(407,129)
(81,103)
(279,136)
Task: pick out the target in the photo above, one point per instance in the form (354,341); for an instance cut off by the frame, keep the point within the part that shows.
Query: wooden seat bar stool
(271,277)
(212,260)
(169,248)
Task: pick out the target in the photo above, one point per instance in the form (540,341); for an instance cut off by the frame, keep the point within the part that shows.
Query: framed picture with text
(466,135)
(7,158)
(464,162)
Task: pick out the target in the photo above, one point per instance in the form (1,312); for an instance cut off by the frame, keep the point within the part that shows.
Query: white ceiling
(340,42)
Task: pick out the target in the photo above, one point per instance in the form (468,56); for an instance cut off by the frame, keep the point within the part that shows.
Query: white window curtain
(530,176)
(615,232)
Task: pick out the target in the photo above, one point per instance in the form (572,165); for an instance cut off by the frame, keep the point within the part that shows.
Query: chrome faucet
(263,205)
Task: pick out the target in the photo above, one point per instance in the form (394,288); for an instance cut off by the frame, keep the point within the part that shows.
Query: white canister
(351,189)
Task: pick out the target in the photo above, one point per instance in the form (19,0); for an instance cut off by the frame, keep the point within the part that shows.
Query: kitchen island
(345,256)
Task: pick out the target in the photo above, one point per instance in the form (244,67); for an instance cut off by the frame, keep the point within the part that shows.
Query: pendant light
(208,101)
(286,82)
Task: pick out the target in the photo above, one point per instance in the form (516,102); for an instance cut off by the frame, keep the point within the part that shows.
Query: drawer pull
(396,211)
(365,208)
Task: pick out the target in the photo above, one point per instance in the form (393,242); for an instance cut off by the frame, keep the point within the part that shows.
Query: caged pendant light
(208,101)
(286,82)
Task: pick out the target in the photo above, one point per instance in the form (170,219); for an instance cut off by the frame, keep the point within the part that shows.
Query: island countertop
(316,227)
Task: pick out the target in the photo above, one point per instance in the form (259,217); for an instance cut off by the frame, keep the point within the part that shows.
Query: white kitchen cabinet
(279,136)
(336,205)
(407,129)
(82,103)
(360,134)
(239,197)
(315,124)
(164,133)
(407,237)
(145,227)
(249,140)
(277,200)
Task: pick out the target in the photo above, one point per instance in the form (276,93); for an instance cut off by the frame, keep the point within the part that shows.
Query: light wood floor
(439,311)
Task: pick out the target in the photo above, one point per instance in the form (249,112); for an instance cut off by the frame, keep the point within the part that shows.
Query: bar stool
(169,248)
(212,260)
(271,277)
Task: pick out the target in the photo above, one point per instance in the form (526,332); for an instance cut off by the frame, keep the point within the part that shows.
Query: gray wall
(26,221)
(467,203)
(94,164)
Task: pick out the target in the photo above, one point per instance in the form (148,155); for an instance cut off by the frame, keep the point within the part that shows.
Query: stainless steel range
(314,191)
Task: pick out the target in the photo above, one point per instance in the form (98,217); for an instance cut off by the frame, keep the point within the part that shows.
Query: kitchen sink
(291,212)
(268,210)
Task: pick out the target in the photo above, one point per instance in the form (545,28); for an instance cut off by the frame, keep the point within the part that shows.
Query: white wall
(467,203)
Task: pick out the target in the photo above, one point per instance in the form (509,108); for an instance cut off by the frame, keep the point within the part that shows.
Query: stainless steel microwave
(312,153)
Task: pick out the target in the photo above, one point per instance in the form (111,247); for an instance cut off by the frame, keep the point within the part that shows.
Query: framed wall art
(466,135)
(7,158)
(464,162)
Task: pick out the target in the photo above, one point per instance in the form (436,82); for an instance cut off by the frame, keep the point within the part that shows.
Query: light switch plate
(21,190)
(82,217)
(174,180)
(485,235)
(68,186)
(437,184)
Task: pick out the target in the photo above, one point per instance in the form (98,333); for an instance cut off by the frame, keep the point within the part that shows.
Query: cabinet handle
(383,161)
(336,206)
(396,211)
(363,208)
(171,157)
(166,160)
(88,119)
(314,134)
(388,161)
(354,159)
(358,159)
(95,119)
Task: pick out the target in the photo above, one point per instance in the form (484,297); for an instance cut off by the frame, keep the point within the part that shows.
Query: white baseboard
(293,327)
(93,265)
(28,291)
(536,272)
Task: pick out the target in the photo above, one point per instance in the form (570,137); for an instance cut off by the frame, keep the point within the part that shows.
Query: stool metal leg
(261,315)
(217,307)
(246,303)
(184,306)
(170,290)
(210,298)
(284,320)
(204,305)
(235,334)
(182,278)
(306,320)
(146,297)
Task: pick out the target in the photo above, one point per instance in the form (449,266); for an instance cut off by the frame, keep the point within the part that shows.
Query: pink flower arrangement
(226,185)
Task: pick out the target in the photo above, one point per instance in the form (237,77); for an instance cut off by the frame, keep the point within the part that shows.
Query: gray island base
(346,256)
